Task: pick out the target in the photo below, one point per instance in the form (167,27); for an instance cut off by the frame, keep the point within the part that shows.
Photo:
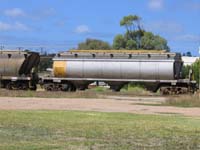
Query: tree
(160,43)
(185,71)
(93,44)
(131,44)
(150,41)
(119,42)
(131,23)
(147,41)
(195,67)
(133,28)
(137,38)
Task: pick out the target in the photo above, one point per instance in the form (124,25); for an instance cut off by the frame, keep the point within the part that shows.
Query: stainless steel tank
(118,66)
(16,63)
(120,69)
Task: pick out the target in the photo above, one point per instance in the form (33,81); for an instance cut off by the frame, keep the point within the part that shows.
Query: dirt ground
(139,105)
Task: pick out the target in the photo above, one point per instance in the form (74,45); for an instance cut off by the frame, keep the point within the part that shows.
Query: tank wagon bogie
(73,71)
(18,70)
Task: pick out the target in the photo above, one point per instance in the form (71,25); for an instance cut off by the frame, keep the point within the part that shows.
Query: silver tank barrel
(15,63)
(117,66)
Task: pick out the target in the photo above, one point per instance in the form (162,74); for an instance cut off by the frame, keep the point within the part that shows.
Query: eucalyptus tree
(133,27)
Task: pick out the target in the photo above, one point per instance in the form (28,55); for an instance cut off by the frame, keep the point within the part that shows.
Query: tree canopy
(150,41)
(93,44)
(134,38)
(131,23)
(195,67)
(119,42)
(137,38)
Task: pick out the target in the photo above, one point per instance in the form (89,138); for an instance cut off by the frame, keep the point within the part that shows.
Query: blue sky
(58,25)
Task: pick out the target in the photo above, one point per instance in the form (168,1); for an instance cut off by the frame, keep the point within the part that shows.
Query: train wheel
(72,88)
(33,88)
(49,87)
(164,90)
(21,86)
(65,87)
(9,86)
(25,86)
(68,87)
(58,87)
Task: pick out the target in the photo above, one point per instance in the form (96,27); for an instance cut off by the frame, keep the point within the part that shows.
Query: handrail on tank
(12,51)
(118,51)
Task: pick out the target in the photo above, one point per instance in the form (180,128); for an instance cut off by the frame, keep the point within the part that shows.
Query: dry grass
(98,92)
(184,101)
(45,94)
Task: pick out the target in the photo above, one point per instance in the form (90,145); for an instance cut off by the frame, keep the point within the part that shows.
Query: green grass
(137,90)
(60,130)
(99,89)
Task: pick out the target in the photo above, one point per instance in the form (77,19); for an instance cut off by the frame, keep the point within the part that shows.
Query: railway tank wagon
(77,69)
(18,70)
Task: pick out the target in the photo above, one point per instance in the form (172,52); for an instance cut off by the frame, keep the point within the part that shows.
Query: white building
(189,60)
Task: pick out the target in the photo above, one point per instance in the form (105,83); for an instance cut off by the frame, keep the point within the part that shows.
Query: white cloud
(82,29)
(4,26)
(191,5)
(14,26)
(61,23)
(44,13)
(156,4)
(188,38)
(166,27)
(48,12)
(21,26)
(14,12)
